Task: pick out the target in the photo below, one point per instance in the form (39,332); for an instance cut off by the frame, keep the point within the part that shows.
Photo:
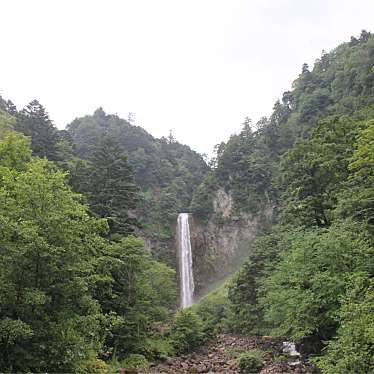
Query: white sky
(197,67)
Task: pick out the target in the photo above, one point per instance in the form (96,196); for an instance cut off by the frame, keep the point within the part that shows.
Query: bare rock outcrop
(220,245)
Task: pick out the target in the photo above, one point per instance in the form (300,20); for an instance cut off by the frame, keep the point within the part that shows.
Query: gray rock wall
(220,246)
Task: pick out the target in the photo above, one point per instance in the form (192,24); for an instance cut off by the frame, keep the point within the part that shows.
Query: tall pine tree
(111,189)
(34,121)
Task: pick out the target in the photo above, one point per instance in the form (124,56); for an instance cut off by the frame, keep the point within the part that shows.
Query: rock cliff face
(220,245)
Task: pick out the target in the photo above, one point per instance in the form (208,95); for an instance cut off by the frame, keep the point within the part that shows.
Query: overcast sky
(197,67)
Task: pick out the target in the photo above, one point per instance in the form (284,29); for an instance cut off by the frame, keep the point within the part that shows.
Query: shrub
(249,362)
(351,351)
(233,352)
(212,309)
(202,201)
(158,348)
(135,361)
(187,331)
(93,366)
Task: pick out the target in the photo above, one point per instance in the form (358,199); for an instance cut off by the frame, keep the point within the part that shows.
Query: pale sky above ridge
(197,67)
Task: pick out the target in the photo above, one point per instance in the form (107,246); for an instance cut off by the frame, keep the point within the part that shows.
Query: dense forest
(308,277)
(88,276)
(77,280)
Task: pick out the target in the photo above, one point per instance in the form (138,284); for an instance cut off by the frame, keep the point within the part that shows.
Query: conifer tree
(34,121)
(112,191)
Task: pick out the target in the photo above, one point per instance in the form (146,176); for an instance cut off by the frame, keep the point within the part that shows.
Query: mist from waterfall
(185,262)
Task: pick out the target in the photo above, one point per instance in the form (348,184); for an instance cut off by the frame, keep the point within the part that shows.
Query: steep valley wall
(220,245)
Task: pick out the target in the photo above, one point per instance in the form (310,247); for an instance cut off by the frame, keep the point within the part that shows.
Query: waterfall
(185,261)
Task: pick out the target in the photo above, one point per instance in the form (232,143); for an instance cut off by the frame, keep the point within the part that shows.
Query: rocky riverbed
(219,357)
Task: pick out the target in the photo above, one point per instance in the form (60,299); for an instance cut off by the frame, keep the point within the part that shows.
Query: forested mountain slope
(76,286)
(309,276)
(138,182)
(340,83)
(253,177)
(157,163)
(165,172)
(69,292)
(79,292)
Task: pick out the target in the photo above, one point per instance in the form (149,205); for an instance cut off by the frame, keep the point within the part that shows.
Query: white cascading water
(185,262)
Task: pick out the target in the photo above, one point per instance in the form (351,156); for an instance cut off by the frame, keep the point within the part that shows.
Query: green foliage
(15,151)
(165,171)
(136,361)
(7,108)
(34,121)
(213,311)
(245,314)
(6,122)
(314,171)
(66,293)
(352,350)
(357,201)
(234,352)
(156,161)
(187,331)
(139,291)
(202,201)
(158,347)
(250,362)
(295,278)
(244,167)
(302,293)
(93,365)
(341,83)
(110,187)
(49,320)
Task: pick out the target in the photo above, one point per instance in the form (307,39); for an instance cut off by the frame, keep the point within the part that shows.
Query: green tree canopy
(34,121)
(49,320)
(111,190)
